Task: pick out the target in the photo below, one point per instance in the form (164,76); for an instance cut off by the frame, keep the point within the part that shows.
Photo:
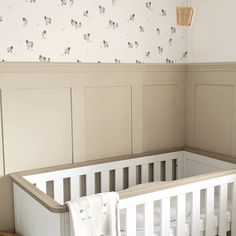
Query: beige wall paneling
(6,204)
(211,106)
(1,140)
(213,117)
(108,121)
(105,125)
(163,111)
(66,101)
(37,121)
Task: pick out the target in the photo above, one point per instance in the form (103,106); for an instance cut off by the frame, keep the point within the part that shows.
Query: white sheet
(95,215)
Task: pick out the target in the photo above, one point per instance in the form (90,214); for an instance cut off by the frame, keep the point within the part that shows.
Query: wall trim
(32,67)
(60,67)
(217,66)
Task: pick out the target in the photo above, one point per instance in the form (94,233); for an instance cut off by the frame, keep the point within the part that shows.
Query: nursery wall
(212,36)
(91,31)
(73,107)
(55,114)
(211,104)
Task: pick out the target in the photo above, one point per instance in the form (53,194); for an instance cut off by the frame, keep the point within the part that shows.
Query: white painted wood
(174,191)
(131,221)
(31,218)
(169,172)
(75,187)
(67,173)
(195,222)
(222,209)
(144,173)
(59,190)
(65,224)
(42,186)
(207,161)
(233,210)
(119,179)
(90,184)
(105,183)
(157,171)
(165,217)
(180,216)
(149,219)
(180,168)
(209,203)
(132,176)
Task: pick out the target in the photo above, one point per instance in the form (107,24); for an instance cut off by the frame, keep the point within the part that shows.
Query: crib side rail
(110,176)
(222,181)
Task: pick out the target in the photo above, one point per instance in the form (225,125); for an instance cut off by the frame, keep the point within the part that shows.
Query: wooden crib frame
(37,214)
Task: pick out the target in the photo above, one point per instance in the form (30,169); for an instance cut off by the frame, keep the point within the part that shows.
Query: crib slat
(165,217)
(181,202)
(195,223)
(144,172)
(90,184)
(74,187)
(180,168)
(233,211)
(169,172)
(42,186)
(119,179)
(59,191)
(105,181)
(157,171)
(131,221)
(209,211)
(222,209)
(149,219)
(132,176)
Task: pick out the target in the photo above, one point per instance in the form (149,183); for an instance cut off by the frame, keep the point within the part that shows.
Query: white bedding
(140,215)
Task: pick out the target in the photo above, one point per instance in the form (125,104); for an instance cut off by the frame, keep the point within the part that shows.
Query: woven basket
(184,15)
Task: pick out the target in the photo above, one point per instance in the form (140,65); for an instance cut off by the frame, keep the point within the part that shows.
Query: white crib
(210,184)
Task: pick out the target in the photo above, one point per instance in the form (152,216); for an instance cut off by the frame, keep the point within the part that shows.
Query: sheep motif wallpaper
(103,31)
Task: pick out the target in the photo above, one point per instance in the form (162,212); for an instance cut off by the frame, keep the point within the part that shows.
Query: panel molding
(35,67)
(210,74)
(2,160)
(211,67)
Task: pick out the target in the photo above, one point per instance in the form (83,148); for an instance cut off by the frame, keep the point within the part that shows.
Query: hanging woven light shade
(184,15)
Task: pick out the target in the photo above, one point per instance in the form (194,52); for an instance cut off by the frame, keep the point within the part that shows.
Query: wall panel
(213,121)
(108,121)
(1,140)
(211,107)
(163,116)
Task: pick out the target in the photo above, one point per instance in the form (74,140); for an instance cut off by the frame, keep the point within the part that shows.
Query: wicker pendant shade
(184,15)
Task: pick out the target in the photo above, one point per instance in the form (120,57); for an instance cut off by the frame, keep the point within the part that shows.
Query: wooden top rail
(55,207)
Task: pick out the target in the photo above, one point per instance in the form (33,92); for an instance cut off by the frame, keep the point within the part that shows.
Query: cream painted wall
(91,31)
(212,36)
(63,113)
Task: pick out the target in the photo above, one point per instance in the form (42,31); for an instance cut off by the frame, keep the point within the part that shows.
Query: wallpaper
(127,31)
